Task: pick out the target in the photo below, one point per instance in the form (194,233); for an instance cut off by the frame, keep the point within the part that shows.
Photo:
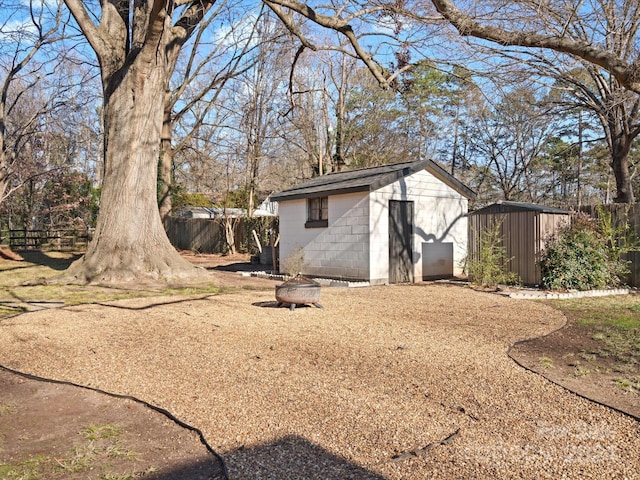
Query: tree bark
(166,164)
(620,166)
(136,46)
(130,242)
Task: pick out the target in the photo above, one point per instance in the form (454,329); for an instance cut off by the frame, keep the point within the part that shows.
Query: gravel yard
(395,382)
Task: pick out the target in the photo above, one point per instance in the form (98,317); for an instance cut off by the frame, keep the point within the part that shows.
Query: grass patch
(618,311)
(29,469)
(99,446)
(117,450)
(614,322)
(546,362)
(81,458)
(629,385)
(96,432)
(24,282)
(7,409)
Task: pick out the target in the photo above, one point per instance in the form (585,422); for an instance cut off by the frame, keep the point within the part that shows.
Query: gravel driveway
(395,382)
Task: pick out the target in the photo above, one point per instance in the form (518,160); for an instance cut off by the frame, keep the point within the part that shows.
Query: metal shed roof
(367,180)
(505,206)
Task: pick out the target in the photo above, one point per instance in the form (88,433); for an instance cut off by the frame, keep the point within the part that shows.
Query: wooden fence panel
(622,213)
(196,234)
(49,239)
(207,235)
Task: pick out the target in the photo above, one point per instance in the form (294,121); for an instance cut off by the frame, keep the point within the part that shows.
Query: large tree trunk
(166,165)
(130,242)
(620,166)
(620,136)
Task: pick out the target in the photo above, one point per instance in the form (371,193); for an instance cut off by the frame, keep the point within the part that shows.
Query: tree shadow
(241,267)
(41,258)
(210,469)
(294,458)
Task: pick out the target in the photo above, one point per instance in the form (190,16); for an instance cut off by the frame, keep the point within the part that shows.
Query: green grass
(630,385)
(96,432)
(29,469)
(614,322)
(618,311)
(25,282)
(100,444)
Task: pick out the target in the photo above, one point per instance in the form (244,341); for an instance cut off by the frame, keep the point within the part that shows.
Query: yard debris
(422,451)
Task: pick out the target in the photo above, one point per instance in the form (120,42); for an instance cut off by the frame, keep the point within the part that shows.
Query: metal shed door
(400,232)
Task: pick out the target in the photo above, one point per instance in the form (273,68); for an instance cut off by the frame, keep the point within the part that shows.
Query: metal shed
(524,228)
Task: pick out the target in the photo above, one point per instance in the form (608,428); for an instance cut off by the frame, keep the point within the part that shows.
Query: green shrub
(488,266)
(583,256)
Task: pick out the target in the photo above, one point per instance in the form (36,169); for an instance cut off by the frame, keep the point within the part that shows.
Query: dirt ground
(42,422)
(564,358)
(44,425)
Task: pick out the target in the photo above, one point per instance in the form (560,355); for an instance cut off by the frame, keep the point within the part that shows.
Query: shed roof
(505,206)
(368,180)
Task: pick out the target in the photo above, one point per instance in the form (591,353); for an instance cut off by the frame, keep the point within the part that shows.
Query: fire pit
(298,290)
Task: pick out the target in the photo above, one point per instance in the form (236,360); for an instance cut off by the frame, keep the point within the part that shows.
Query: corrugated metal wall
(523,234)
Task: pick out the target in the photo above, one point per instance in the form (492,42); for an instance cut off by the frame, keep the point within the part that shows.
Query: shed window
(317,212)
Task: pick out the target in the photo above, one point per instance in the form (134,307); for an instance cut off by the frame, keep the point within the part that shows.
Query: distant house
(389,224)
(266,209)
(524,228)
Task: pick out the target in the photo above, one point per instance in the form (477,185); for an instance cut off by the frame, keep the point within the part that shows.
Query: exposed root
(126,268)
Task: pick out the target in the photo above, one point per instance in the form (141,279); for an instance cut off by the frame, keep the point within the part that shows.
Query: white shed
(389,224)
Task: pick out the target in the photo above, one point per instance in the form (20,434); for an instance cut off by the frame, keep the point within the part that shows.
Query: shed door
(400,232)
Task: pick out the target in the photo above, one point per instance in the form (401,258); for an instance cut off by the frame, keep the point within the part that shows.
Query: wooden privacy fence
(49,239)
(208,235)
(621,214)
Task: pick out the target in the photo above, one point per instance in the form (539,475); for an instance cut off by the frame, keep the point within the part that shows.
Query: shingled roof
(505,206)
(367,180)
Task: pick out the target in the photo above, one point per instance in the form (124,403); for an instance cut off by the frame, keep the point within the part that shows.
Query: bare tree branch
(627,74)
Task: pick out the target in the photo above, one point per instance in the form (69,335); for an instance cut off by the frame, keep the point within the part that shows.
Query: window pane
(318,209)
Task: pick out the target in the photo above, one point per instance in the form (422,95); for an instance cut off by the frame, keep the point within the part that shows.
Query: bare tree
(136,46)
(23,100)
(601,34)
(309,135)
(260,88)
(508,139)
(192,93)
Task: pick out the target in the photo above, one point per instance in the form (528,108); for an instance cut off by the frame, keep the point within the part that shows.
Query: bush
(583,256)
(488,266)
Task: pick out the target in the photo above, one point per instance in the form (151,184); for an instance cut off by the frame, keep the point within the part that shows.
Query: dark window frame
(317,212)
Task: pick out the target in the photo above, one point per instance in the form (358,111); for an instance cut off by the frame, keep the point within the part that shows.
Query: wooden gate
(400,234)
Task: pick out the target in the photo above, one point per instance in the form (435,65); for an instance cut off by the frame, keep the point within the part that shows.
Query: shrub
(575,259)
(584,256)
(294,263)
(488,266)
